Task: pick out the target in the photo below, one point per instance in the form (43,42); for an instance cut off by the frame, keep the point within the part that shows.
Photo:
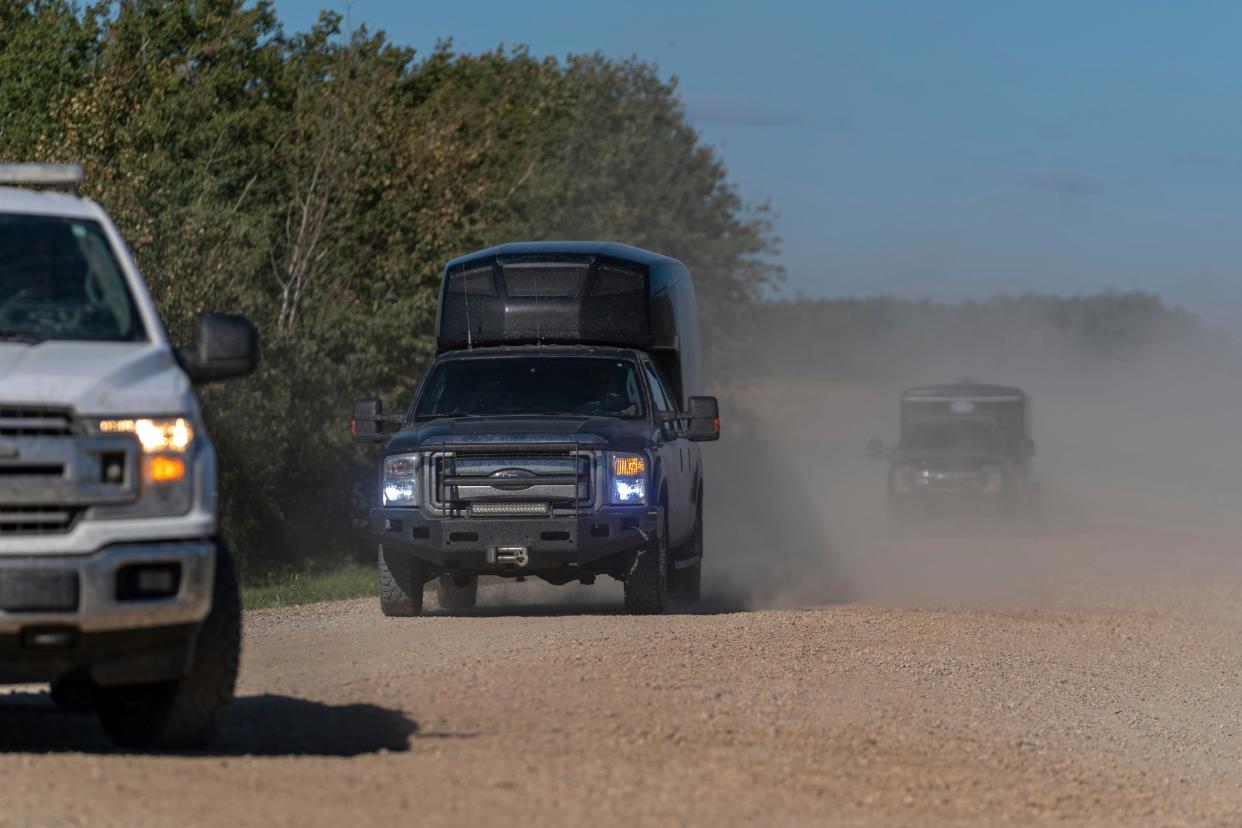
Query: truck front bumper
(470,545)
(58,614)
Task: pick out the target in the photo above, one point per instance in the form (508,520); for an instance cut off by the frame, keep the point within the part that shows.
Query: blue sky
(936,149)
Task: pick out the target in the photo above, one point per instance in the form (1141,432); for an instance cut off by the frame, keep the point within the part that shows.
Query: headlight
(171,435)
(400,480)
(629,480)
(170,454)
(164,442)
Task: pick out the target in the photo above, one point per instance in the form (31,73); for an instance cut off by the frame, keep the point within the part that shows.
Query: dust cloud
(1136,458)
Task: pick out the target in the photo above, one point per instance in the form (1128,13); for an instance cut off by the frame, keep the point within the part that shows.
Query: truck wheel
(185,713)
(646,582)
(453,594)
(401,579)
(685,585)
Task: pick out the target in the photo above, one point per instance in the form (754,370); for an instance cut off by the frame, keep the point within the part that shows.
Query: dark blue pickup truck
(554,435)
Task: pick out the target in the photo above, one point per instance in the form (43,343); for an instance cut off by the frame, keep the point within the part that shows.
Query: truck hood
(95,378)
(607,432)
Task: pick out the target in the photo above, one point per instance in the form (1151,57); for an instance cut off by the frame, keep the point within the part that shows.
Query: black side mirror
(702,419)
(367,423)
(224,347)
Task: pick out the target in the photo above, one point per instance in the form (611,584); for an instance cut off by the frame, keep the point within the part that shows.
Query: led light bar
(490,509)
(61,176)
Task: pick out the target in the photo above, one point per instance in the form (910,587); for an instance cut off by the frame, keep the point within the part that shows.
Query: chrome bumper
(98,608)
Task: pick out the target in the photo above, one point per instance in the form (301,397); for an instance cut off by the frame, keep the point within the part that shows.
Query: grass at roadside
(309,587)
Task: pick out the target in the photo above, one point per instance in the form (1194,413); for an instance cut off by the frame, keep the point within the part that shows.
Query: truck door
(674,461)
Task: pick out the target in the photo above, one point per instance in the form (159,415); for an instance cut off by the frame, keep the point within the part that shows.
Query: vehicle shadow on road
(713,605)
(540,610)
(266,725)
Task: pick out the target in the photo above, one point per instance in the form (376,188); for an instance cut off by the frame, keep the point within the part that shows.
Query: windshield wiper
(25,337)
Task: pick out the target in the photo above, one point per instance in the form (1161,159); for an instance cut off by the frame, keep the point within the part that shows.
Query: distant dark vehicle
(555,434)
(964,449)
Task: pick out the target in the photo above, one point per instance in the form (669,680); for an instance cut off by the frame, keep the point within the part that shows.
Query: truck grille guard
(512,479)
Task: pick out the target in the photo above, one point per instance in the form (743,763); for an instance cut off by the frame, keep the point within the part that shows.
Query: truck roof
(966,389)
(969,419)
(48,203)
(603,352)
(615,250)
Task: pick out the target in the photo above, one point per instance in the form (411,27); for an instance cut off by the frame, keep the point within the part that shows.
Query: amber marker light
(162,469)
(628,465)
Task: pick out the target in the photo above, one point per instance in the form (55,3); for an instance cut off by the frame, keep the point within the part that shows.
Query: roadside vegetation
(308,585)
(317,182)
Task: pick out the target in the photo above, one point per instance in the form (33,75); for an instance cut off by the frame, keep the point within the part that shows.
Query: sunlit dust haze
(1134,457)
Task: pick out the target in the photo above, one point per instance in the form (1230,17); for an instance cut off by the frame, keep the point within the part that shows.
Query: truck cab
(115,586)
(554,435)
(964,448)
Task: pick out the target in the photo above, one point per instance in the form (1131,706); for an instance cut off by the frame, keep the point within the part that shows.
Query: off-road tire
(184,714)
(74,695)
(401,579)
(646,582)
(454,597)
(685,586)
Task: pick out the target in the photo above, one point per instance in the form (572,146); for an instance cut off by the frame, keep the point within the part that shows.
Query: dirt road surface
(1086,674)
(1125,711)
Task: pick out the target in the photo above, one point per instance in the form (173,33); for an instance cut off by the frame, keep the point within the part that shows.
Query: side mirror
(875,447)
(367,422)
(702,419)
(1029,445)
(224,347)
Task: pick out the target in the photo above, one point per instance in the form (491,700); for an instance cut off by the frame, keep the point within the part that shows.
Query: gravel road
(1124,709)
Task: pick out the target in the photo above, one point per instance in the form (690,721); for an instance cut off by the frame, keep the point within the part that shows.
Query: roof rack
(64,177)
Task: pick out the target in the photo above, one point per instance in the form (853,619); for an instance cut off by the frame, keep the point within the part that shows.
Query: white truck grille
(32,421)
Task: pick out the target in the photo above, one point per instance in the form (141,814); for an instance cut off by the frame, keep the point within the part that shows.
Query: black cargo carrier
(582,293)
(1008,405)
(555,434)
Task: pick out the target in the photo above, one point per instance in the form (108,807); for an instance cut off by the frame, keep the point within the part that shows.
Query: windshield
(532,385)
(59,280)
(959,436)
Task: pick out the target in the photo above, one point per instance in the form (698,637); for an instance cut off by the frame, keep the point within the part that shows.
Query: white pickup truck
(114,584)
